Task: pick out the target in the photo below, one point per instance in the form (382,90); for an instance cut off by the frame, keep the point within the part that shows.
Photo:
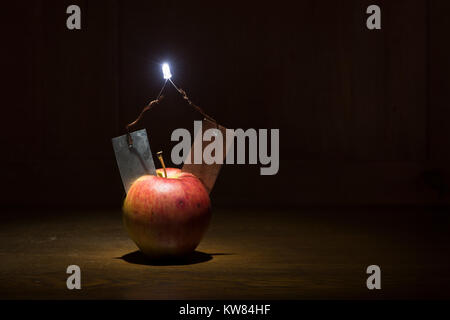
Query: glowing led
(166,71)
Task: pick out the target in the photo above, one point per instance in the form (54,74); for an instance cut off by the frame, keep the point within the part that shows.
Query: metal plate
(134,161)
(207,173)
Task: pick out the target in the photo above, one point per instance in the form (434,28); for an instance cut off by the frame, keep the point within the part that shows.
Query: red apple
(167,217)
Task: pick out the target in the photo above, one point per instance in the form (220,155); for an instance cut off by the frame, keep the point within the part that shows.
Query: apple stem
(160,157)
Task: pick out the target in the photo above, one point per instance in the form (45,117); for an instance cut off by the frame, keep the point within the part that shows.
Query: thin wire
(174,85)
(183,93)
(162,89)
(157,100)
(146,108)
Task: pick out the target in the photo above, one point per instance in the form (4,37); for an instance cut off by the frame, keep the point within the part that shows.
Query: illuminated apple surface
(167,216)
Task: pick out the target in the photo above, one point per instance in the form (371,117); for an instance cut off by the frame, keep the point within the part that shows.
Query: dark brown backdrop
(362,114)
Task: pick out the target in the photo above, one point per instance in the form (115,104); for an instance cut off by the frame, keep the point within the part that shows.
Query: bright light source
(166,71)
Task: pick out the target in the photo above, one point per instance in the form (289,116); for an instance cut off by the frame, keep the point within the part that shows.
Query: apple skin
(167,217)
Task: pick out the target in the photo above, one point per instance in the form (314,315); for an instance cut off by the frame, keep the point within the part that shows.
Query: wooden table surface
(246,254)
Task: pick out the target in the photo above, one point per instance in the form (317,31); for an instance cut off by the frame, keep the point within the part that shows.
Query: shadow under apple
(137,257)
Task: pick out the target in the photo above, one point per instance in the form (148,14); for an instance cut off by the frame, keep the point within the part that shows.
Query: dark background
(363,115)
